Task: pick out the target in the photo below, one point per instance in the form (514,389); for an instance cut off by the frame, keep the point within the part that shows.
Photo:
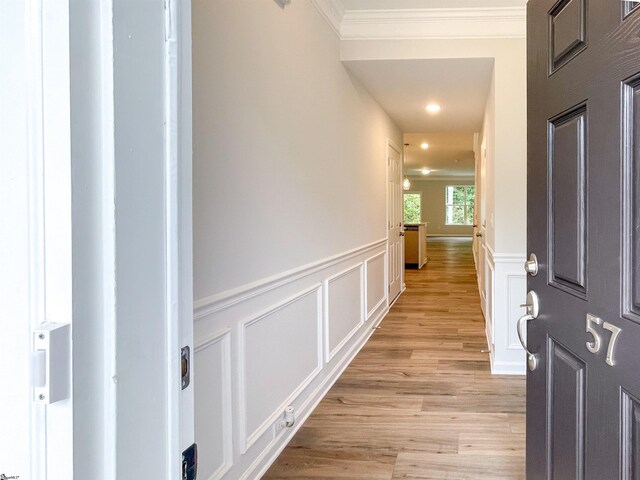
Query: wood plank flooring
(418,401)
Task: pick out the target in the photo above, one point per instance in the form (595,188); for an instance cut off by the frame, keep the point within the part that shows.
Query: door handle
(401,234)
(533,308)
(478,234)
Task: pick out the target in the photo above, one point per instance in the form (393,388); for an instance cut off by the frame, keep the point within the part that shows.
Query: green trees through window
(412,212)
(460,203)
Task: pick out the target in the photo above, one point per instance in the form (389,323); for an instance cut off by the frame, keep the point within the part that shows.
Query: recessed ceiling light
(433,108)
(425,171)
(424,146)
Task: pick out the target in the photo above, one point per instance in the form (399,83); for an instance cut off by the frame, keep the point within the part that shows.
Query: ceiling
(404,87)
(419,4)
(448,155)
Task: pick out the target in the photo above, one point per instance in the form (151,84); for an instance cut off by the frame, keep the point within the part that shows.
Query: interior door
(583,396)
(395,212)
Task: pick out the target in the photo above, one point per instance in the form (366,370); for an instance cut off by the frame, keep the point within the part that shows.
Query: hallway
(419,400)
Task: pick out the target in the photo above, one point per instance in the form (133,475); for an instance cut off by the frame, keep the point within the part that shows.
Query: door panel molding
(630,190)
(566,388)
(568,32)
(567,200)
(629,436)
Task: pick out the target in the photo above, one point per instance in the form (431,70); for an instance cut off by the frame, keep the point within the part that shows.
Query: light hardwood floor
(418,401)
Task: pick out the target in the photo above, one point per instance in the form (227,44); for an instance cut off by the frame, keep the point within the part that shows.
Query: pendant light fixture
(406,184)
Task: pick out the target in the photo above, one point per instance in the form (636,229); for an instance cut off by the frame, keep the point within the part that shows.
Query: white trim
(250,439)
(220,301)
(513,342)
(505,257)
(269,454)
(434,23)
(35,113)
(108,211)
(332,11)
(392,145)
(330,354)
(507,368)
(173,206)
(223,336)
(382,254)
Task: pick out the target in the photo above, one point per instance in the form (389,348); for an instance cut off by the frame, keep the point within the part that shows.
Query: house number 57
(596,344)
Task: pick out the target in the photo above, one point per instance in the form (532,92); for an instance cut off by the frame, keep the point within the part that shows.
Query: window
(460,202)
(412,208)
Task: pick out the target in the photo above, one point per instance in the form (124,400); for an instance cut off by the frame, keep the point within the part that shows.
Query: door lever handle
(533,307)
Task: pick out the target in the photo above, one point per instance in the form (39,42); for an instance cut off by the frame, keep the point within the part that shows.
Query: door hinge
(190,463)
(185,366)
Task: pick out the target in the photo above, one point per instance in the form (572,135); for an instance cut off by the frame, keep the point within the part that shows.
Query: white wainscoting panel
(505,293)
(285,340)
(344,310)
(376,293)
(213,405)
(281,353)
(517,286)
(489,292)
(481,267)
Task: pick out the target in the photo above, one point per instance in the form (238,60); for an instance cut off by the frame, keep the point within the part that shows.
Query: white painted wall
(433,206)
(289,224)
(288,147)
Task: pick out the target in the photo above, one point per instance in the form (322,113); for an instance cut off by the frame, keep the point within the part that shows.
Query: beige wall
(433,206)
(289,149)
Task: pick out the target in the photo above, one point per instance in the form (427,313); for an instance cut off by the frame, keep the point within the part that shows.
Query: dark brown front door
(583,399)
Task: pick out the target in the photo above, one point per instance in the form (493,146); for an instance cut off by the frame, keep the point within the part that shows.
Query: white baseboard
(270,455)
(508,368)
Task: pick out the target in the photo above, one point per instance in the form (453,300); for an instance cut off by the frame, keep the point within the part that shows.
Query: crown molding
(332,11)
(434,23)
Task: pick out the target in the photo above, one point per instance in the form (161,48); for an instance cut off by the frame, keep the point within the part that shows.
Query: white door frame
(74,221)
(390,144)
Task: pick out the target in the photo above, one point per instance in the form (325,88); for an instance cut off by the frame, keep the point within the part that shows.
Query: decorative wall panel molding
(280,354)
(343,307)
(376,291)
(279,351)
(214,415)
